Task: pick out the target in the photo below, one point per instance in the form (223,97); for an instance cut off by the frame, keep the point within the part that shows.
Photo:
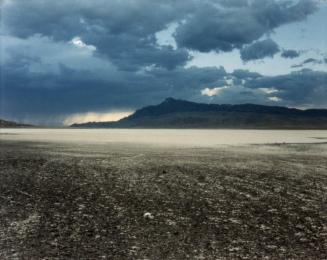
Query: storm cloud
(259,50)
(123,31)
(126,28)
(290,54)
(226,26)
(306,88)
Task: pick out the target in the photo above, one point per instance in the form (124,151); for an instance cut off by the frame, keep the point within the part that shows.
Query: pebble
(148,215)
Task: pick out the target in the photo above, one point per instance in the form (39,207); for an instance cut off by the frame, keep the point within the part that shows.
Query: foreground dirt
(121,202)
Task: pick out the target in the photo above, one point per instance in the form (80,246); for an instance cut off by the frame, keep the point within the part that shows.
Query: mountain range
(175,113)
(10,124)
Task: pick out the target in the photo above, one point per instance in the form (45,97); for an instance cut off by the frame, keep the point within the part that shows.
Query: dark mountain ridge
(171,105)
(8,124)
(174,113)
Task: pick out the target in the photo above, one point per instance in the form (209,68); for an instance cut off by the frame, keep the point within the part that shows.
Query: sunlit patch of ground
(139,202)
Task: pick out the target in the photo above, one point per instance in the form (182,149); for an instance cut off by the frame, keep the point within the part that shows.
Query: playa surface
(138,200)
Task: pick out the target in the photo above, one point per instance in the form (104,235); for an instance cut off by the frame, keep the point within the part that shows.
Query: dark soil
(79,202)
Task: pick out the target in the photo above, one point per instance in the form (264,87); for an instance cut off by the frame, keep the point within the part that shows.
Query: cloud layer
(77,56)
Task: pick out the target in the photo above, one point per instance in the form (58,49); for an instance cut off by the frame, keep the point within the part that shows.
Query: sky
(69,61)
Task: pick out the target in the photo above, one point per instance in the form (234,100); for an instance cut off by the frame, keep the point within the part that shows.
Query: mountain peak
(169,99)
(177,113)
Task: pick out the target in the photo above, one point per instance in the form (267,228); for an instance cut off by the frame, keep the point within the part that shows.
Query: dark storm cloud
(125,29)
(224,29)
(301,88)
(130,53)
(65,19)
(290,54)
(259,50)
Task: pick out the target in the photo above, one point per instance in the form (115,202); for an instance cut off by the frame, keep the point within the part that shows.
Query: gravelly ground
(88,202)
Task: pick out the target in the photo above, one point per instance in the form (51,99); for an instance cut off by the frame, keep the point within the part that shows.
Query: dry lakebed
(89,195)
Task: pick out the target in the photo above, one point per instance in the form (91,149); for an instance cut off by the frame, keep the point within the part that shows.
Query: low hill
(174,113)
(10,124)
